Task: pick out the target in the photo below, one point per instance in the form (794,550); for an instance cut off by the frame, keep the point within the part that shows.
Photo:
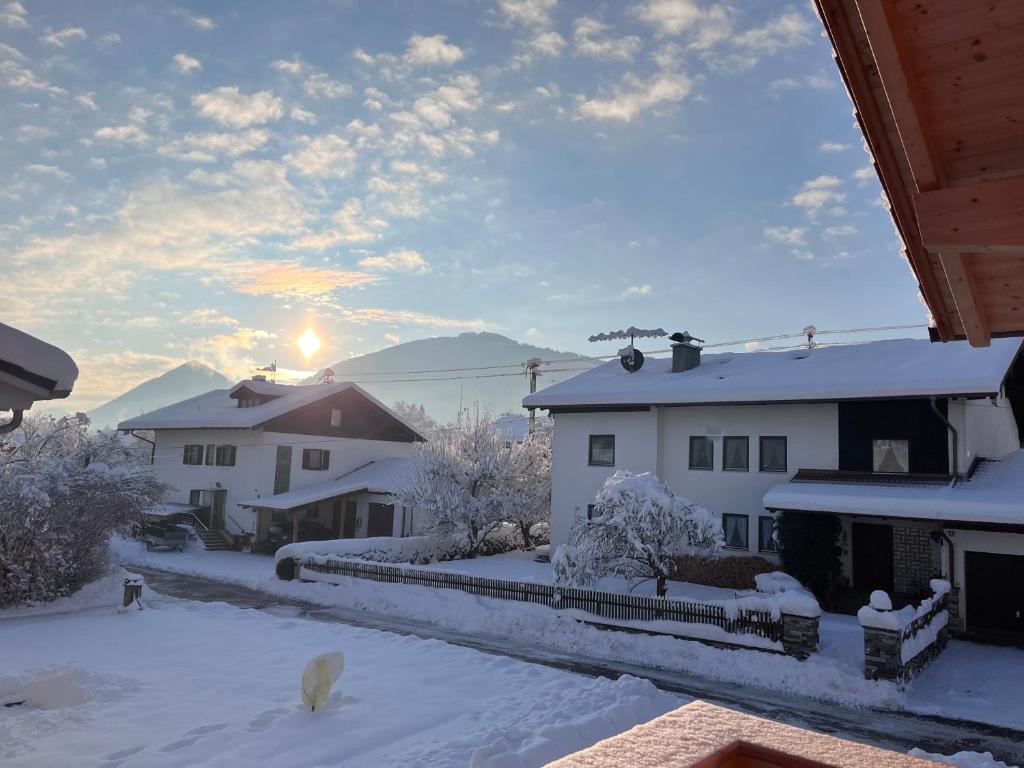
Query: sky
(207,181)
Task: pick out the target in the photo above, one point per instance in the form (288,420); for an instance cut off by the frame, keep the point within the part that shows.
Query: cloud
(291,279)
(433,50)
(13,15)
(528,13)
(207,317)
(49,170)
(229,106)
(590,39)
(786,235)
(634,96)
(185,63)
(392,338)
(108,38)
(535,18)
(865,174)
(302,115)
(407,317)
(129,133)
(532,332)
(203,23)
(327,156)
(61,38)
(819,81)
(349,225)
(405,260)
(843,230)
(229,353)
(87,100)
(638,290)
(789,30)
(208,147)
(14,75)
(833,147)
(34,132)
(669,17)
(293,66)
(10,52)
(817,193)
(320,86)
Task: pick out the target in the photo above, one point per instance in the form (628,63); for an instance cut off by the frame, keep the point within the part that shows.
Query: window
(602,450)
(335,417)
(772,454)
(225,455)
(736,453)
(315,458)
(735,527)
(193,454)
(248,402)
(891,456)
(702,452)
(209,454)
(766,534)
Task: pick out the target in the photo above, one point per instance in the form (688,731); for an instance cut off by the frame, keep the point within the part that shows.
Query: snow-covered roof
(35,361)
(994,494)
(378,476)
(514,428)
(890,368)
(269,388)
(216,409)
(168,508)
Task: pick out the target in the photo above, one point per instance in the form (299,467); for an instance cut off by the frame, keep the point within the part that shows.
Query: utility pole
(532,367)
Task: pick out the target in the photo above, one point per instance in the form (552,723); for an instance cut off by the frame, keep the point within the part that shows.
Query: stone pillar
(953,607)
(915,559)
(799,635)
(882,659)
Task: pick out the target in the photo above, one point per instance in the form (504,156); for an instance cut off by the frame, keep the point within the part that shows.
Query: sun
(309,343)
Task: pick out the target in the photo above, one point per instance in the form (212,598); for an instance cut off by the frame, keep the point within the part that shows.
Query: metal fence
(607,605)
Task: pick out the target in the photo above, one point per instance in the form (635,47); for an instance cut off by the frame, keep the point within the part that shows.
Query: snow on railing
(784,621)
(898,644)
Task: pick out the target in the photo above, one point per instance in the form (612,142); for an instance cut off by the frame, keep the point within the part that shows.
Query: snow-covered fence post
(898,644)
(799,635)
(132,592)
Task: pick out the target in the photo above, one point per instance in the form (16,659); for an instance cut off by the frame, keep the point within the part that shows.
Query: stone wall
(799,635)
(915,559)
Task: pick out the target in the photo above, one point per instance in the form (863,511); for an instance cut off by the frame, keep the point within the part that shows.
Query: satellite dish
(632,359)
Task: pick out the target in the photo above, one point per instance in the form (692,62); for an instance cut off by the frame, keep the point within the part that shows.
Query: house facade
(737,428)
(227,453)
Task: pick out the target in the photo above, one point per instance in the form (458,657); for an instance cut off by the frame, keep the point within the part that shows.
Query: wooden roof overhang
(938,89)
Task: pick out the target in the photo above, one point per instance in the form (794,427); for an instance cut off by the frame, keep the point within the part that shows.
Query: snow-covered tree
(63,492)
(636,527)
(468,479)
(416,415)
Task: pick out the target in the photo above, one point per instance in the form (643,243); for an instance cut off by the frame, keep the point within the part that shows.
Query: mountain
(478,351)
(187,380)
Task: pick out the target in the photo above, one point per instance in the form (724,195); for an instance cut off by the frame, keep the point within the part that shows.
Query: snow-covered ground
(970,681)
(206,684)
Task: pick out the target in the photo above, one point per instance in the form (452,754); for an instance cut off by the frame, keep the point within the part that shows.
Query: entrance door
(217,510)
(381,520)
(872,556)
(348,527)
(283,469)
(994,589)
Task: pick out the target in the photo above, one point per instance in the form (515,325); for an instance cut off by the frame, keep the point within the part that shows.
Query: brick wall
(915,559)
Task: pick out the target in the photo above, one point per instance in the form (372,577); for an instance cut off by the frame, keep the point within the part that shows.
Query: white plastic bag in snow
(320,675)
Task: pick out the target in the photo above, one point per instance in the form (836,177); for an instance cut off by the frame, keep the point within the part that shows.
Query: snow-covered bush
(637,527)
(735,572)
(63,492)
(467,480)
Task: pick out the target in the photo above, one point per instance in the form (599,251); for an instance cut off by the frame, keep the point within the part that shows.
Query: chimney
(259,377)
(685,352)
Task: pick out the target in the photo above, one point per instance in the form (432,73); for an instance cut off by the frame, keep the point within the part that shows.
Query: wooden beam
(897,76)
(961,283)
(986,216)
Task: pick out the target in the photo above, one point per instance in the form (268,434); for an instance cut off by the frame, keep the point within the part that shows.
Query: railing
(925,619)
(610,606)
(191,518)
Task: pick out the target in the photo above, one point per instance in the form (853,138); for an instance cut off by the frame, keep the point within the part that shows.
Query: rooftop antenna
(327,377)
(809,331)
(271,369)
(632,359)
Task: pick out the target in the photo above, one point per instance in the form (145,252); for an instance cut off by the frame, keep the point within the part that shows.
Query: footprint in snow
(265,719)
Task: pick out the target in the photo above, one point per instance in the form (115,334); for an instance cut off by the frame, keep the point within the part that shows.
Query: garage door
(381,521)
(994,586)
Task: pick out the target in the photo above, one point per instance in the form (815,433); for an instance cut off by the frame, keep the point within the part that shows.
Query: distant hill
(187,380)
(468,350)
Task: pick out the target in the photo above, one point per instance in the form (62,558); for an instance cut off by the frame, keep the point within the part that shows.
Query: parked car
(309,530)
(163,535)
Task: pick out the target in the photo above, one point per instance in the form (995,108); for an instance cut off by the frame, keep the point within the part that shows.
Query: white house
(31,370)
(318,456)
(730,431)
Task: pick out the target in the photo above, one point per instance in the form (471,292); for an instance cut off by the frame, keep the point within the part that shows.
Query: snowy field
(970,681)
(199,684)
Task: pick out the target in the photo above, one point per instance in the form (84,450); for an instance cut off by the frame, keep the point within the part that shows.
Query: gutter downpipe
(152,451)
(956,438)
(16,416)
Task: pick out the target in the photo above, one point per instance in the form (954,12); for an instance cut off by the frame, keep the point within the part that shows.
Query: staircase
(214,540)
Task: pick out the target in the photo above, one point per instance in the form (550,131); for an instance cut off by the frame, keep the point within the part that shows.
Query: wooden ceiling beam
(986,216)
(901,90)
(961,283)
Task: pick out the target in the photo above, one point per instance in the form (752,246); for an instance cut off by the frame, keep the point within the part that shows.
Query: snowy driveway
(895,730)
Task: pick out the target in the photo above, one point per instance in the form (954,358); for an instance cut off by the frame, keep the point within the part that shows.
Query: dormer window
(248,402)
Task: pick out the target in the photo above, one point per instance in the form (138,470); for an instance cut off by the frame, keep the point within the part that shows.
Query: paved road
(896,730)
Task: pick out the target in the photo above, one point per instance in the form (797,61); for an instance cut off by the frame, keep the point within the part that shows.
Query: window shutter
(184,455)
(305,458)
(325,460)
